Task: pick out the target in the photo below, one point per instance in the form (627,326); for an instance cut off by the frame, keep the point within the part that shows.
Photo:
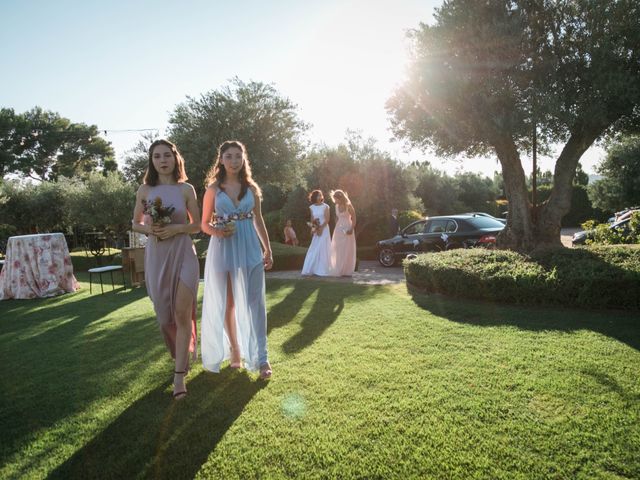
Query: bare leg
(184,304)
(230,326)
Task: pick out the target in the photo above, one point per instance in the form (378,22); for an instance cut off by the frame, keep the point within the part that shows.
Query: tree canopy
(254,113)
(620,187)
(487,75)
(43,145)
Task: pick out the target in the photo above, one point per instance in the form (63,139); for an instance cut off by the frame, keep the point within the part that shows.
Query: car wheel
(386,257)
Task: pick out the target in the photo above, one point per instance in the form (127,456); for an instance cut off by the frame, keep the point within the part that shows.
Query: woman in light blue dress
(234,315)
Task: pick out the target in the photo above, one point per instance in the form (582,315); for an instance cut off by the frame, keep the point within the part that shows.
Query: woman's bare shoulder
(143,189)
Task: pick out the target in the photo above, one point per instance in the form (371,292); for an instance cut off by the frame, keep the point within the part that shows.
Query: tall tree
(374,181)
(620,186)
(44,146)
(10,139)
(254,113)
(136,160)
(487,75)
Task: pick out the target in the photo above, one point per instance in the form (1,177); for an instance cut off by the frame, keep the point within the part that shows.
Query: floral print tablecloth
(37,266)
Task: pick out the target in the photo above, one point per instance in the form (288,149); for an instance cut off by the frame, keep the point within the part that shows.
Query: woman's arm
(261,229)
(137,224)
(352,212)
(167,231)
(208,208)
(327,216)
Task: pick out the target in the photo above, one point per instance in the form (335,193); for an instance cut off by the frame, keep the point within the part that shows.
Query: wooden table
(133,264)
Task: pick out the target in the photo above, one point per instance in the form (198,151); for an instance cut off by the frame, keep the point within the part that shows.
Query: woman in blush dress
(343,242)
(234,313)
(171,270)
(318,258)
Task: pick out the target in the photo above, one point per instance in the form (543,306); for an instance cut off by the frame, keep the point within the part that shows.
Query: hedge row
(593,277)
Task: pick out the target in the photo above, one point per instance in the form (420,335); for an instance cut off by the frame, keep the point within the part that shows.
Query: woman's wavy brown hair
(151,175)
(218,173)
(313,196)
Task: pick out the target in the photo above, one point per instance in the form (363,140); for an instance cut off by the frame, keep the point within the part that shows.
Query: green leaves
(254,113)
(43,145)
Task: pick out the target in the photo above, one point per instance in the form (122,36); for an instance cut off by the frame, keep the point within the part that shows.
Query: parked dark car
(623,226)
(435,234)
(482,214)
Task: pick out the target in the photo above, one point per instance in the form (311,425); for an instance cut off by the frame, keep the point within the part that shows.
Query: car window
(437,226)
(485,222)
(415,228)
(451,226)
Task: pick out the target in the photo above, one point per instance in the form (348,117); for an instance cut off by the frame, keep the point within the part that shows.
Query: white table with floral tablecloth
(37,266)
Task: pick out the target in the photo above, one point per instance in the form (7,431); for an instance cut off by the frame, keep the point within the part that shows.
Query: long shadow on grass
(60,357)
(286,310)
(326,309)
(623,326)
(160,438)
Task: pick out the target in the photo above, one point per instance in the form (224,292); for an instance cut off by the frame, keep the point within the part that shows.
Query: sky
(125,65)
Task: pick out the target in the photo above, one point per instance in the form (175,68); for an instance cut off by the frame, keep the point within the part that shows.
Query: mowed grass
(369,382)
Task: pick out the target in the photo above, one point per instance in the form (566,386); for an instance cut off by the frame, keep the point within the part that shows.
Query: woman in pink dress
(290,237)
(343,242)
(171,269)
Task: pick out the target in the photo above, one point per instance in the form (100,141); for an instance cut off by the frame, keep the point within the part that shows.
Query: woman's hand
(164,231)
(349,232)
(268,260)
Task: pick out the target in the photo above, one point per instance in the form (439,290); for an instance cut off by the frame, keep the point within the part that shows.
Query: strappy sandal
(182,393)
(265,371)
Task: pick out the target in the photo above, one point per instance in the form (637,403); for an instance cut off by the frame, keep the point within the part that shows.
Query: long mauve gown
(343,246)
(168,262)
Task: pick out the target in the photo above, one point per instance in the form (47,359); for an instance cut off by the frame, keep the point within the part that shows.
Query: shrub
(275,225)
(596,277)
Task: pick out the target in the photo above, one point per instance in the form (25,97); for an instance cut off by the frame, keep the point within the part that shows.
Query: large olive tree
(488,75)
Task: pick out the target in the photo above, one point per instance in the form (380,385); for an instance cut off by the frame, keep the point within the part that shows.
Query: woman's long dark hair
(218,173)
(151,175)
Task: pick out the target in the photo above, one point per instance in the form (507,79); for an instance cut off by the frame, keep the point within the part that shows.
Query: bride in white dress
(318,259)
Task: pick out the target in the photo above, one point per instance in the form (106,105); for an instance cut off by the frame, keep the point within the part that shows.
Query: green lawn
(369,382)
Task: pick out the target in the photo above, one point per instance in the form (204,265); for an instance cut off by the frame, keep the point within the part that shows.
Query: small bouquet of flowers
(225,222)
(315,225)
(160,215)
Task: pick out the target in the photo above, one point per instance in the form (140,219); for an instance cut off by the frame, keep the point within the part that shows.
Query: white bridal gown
(318,259)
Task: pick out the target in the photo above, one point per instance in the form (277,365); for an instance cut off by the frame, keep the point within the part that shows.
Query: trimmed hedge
(285,257)
(592,277)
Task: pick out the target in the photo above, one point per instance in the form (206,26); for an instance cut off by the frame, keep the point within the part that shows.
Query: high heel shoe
(182,393)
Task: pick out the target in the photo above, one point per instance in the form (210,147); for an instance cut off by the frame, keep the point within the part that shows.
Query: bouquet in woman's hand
(160,215)
(314,225)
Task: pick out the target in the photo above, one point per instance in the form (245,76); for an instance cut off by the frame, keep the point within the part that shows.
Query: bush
(285,257)
(275,225)
(595,277)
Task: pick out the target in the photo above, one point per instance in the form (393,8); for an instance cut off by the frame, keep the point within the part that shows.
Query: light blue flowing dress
(238,257)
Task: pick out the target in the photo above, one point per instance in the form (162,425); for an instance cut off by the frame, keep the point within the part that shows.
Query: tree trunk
(519,233)
(559,202)
(531,229)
